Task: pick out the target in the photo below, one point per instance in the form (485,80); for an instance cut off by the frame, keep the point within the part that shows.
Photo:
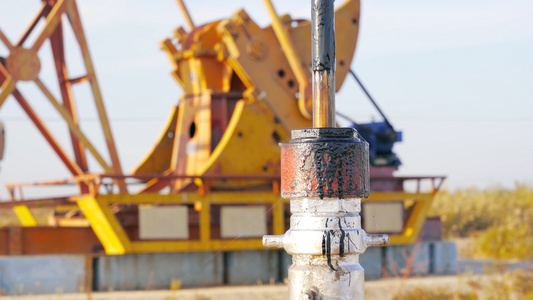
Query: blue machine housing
(381,138)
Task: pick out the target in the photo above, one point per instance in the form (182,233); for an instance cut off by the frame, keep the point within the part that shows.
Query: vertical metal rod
(323,55)
(371,99)
(186,14)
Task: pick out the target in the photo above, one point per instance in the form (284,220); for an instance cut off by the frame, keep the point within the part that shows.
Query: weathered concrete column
(325,173)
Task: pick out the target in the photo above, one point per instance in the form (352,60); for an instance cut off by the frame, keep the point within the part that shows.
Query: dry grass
(501,221)
(435,294)
(505,285)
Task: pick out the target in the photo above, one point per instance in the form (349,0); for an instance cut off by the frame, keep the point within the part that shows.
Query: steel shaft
(323,55)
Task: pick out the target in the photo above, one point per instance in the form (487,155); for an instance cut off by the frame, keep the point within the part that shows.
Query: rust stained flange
(325,163)
(23,64)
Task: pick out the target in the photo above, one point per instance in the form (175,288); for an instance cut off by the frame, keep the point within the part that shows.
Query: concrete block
(250,267)
(443,257)
(372,262)
(243,221)
(158,270)
(407,259)
(163,222)
(43,274)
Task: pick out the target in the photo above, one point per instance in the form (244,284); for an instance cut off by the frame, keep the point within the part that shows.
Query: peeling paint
(325,162)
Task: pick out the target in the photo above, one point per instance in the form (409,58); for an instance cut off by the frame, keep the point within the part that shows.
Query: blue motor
(381,139)
(380,136)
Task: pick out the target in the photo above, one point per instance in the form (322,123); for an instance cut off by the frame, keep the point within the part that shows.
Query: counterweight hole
(192,130)
(291,83)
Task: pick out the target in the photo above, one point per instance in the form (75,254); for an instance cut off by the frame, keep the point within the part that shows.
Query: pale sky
(455,76)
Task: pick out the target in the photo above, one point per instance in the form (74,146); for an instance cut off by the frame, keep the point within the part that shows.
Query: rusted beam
(5,40)
(48,202)
(73,127)
(71,166)
(48,240)
(75,22)
(22,58)
(15,241)
(52,20)
(45,10)
(78,79)
(56,41)
(177,176)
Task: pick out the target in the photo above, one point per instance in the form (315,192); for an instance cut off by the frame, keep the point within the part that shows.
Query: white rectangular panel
(243,221)
(383,217)
(163,222)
